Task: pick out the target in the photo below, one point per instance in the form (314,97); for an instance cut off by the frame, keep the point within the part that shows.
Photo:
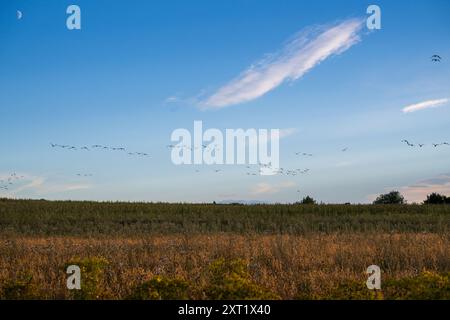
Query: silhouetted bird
(436,58)
(408,143)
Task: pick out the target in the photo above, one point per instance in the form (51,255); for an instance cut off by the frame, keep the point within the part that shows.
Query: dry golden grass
(284,264)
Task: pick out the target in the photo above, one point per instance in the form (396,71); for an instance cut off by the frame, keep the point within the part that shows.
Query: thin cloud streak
(303,52)
(41,186)
(267,188)
(425,105)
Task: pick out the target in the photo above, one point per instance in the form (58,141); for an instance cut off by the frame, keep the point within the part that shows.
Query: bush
(393,197)
(426,286)
(230,280)
(436,198)
(162,288)
(92,277)
(354,290)
(307,200)
(21,288)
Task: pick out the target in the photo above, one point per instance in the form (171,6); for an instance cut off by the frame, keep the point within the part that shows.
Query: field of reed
(181,251)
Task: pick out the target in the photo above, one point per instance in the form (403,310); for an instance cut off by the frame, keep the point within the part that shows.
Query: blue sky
(137,70)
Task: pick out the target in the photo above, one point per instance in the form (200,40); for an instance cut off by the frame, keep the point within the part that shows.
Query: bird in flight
(436,58)
(408,143)
(345,149)
(303,154)
(421,145)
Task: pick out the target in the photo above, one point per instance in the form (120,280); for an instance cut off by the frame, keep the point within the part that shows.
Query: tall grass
(289,251)
(289,266)
(137,219)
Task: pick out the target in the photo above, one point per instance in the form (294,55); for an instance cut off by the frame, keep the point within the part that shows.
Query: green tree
(393,197)
(436,198)
(308,200)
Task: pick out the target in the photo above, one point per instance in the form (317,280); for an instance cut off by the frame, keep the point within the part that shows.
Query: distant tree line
(393,197)
(436,198)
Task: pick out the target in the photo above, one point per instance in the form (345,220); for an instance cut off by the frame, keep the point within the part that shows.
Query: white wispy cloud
(31,185)
(299,55)
(267,188)
(287,132)
(425,105)
(172,99)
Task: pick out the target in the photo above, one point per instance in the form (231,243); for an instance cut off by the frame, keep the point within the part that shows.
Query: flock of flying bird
(281,171)
(6,183)
(99,147)
(421,145)
(434,58)
(203,147)
(84,174)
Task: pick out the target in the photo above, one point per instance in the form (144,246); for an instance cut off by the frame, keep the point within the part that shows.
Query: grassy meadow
(206,251)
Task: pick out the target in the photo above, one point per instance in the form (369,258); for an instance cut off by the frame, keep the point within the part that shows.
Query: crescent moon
(19,14)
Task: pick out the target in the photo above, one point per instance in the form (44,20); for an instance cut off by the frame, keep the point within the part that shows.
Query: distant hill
(247,202)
